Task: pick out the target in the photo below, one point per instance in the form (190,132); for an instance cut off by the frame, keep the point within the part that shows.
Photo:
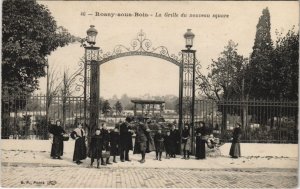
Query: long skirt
(235,150)
(186,145)
(80,149)
(200,148)
(57,148)
(173,148)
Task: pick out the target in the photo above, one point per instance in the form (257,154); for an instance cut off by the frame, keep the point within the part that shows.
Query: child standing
(114,144)
(96,147)
(159,144)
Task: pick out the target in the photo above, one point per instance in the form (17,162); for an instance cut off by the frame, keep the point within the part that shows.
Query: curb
(261,169)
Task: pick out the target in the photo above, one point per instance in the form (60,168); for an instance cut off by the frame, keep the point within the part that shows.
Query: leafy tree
(260,77)
(224,79)
(286,60)
(119,107)
(29,34)
(106,108)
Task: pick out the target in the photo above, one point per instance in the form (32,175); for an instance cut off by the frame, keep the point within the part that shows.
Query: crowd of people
(118,142)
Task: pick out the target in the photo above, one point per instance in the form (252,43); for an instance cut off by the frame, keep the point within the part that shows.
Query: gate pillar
(94,97)
(187,93)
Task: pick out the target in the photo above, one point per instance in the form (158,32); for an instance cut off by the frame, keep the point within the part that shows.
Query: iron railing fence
(262,121)
(25,116)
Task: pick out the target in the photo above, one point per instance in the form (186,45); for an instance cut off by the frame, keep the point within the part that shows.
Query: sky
(139,75)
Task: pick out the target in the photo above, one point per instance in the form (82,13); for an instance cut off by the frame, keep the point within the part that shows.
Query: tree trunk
(224,120)
(64,111)
(244,113)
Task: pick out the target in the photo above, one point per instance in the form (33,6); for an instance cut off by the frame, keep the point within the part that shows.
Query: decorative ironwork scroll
(79,82)
(141,46)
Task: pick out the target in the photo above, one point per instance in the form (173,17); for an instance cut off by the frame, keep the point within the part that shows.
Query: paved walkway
(112,177)
(28,164)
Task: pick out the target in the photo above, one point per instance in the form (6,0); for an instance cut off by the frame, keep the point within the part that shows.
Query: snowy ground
(253,156)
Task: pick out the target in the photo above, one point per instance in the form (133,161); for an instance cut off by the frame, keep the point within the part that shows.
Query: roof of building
(148,101)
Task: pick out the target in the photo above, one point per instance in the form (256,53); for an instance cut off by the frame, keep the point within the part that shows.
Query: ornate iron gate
(142,46)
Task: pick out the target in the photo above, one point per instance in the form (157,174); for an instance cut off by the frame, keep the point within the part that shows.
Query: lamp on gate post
(187,85)
(189,38)
(91,57)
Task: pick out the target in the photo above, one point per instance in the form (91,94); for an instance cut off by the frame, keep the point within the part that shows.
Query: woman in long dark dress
(57,148)
(235,149)
(174,139)
(80,148)
(201,136)
(167,143)
(96,147)
(114,144)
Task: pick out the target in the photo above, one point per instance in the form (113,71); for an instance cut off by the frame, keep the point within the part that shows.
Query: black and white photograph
(149,94)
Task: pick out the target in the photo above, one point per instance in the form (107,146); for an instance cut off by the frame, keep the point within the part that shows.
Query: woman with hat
(80,148)
(235,149)
(201,138)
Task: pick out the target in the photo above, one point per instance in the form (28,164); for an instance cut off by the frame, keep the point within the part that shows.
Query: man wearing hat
(125,140)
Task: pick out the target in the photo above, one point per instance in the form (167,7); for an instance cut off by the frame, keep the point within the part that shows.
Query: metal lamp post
(91,59)
(187,85)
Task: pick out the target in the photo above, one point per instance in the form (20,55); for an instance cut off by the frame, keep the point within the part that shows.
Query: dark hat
(128,119)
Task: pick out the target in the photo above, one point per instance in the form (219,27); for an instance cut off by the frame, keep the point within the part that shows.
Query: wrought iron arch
(141,46)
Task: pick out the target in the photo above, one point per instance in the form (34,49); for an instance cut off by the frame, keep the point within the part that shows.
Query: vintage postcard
(149,94)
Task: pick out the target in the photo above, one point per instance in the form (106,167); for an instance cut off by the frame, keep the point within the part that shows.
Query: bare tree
(53,86)
(67,88)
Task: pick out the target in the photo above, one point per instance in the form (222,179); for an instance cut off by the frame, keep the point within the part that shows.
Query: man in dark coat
(57,148)
(201,139)
(125,140)
(174,139)
(106,143)
(80,147)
